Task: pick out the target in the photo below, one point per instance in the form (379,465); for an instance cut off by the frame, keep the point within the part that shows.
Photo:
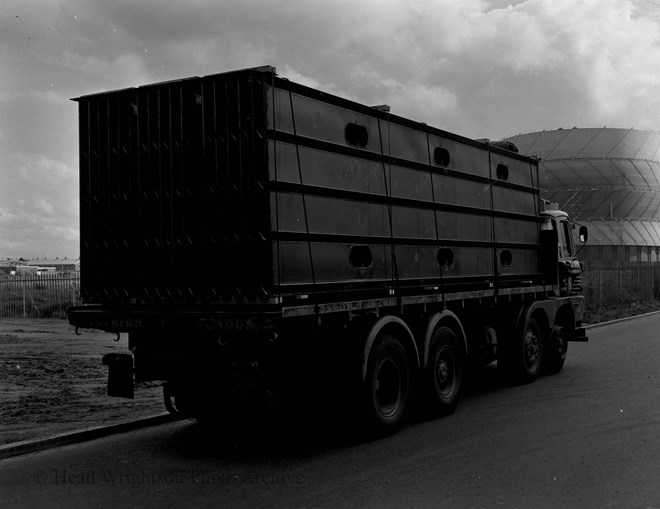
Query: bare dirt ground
(53,381)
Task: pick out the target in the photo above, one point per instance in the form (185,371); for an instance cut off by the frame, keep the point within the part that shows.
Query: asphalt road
(588,437)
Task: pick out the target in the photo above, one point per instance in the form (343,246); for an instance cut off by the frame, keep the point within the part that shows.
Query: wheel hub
(532,349)
(561,345)
(445,372)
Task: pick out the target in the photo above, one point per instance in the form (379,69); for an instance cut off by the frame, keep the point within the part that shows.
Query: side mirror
(583,234)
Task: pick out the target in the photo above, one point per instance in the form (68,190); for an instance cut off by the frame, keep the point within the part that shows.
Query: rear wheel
(185,400)
(443,374)
(386,387)
(170,401)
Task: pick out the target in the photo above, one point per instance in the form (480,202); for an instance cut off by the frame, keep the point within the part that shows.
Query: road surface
(588,437)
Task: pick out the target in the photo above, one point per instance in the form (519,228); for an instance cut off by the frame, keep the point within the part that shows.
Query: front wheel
(386,388)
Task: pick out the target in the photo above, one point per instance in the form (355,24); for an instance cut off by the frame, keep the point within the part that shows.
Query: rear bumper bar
(131,319)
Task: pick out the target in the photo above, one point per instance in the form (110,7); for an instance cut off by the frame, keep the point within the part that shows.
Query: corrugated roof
(623,233)
(590,143)
(598,172)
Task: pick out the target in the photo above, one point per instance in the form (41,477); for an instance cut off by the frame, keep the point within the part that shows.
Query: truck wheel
(168,398)
(521,358)
(443,375)
(555,354)
(178,401)
(387,384)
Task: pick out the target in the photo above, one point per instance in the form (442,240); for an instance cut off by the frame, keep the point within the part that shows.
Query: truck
(256,238)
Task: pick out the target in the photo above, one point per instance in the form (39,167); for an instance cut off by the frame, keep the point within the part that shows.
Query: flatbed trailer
(240,228)
(129,318)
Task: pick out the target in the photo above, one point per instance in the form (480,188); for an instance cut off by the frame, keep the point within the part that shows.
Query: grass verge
(619,310)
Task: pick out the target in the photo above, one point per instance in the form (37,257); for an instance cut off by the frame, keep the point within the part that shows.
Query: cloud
(39,207)
(481,68)
(456,53)
(124,70)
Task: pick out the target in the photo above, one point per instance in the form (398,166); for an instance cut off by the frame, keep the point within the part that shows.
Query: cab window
(565,244)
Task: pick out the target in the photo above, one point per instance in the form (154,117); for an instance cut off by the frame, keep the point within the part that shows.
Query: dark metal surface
(240,187)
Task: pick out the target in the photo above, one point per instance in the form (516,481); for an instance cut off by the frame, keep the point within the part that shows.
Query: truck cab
(561,264)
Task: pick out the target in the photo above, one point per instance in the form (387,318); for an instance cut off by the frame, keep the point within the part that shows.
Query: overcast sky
(480,68)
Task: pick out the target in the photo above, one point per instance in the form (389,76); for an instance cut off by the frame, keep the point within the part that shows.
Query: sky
(479,68)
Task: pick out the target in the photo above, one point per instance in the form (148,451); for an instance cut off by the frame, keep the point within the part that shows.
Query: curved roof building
(606,178)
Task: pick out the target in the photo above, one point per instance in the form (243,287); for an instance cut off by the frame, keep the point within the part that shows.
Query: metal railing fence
(620,283)
(49,295)
(38,296)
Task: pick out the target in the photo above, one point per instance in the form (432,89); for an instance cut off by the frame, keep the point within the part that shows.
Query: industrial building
(607,179)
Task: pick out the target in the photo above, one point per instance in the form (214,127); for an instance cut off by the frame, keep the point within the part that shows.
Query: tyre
(177,401)
(555,352)
(443,374)
(169,400)
(386,388)
(521,356)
